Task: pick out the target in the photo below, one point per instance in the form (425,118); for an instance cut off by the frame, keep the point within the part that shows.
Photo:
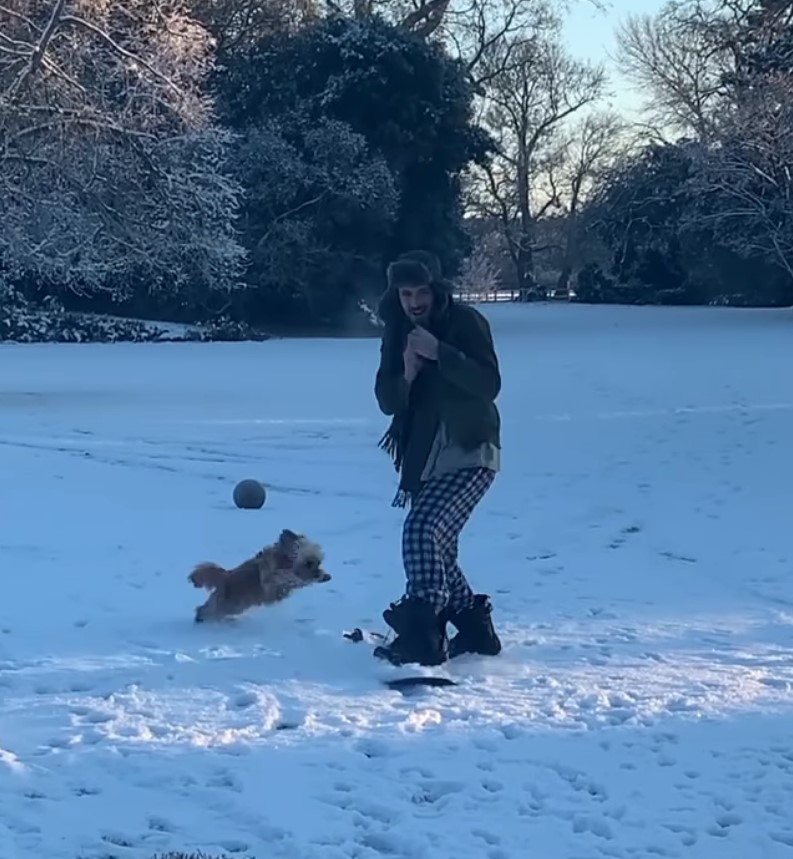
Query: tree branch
(37,55)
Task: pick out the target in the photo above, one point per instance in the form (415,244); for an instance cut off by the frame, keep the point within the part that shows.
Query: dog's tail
(208,575)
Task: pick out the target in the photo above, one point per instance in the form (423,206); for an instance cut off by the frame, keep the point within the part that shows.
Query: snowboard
(400,684)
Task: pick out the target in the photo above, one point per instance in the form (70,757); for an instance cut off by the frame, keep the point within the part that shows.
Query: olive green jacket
(458,390)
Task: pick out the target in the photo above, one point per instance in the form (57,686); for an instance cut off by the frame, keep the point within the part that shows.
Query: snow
(637,546)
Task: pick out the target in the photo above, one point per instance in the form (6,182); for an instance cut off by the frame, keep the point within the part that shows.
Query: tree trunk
(524,265)
(563,281)
(571,236)
(570,253)
(524,260)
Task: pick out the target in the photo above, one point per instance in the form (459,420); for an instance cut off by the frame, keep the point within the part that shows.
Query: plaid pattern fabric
(430,536)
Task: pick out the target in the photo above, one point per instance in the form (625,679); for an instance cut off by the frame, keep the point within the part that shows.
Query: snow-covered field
(638,546)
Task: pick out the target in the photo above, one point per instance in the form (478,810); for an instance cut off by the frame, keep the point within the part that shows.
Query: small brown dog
(291,563)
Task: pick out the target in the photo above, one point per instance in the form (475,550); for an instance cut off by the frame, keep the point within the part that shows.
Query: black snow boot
(420,634)
(476,633)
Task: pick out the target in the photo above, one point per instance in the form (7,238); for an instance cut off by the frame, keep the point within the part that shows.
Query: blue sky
(590,35)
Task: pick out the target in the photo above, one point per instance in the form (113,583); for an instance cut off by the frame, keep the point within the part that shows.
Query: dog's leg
(209,610)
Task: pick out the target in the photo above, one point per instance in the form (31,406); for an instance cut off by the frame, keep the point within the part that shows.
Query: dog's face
(303,556)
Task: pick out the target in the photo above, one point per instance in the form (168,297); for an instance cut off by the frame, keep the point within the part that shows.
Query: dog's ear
(288,541)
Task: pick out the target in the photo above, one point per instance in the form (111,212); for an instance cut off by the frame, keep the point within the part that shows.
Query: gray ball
(249,494)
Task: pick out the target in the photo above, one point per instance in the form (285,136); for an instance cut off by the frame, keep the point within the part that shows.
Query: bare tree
(238,23)
(472,29)
(487,34)
(585,151)
(528,103)
(422,16)
(111,172)
(680,60)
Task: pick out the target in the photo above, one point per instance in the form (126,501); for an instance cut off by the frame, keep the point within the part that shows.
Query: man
(438,379)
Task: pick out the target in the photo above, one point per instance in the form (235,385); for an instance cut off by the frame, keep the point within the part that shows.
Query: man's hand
(412,361)
(423,343)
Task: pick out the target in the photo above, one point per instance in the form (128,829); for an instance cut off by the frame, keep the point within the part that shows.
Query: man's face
(416,301)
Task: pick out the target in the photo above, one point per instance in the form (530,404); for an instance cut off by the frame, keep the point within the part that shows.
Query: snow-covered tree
(403,95)
(113,175)
(316,198)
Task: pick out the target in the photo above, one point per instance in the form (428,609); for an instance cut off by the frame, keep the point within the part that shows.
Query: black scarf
(409,438)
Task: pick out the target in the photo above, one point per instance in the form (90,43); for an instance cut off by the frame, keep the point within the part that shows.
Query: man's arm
(476,369)
(390,387)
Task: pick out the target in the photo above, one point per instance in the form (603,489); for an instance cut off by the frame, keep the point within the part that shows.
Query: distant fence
(492,295)
(488,296)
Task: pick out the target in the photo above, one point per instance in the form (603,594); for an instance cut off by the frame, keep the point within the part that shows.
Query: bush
(594,286)
(225,329)
(667,240)
(22,321)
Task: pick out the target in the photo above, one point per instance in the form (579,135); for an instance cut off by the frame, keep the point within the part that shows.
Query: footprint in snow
(602,613)
(84,790)
(433,791)
(655,850)
(724,822)
(119,840)
(233,846)
(373,748)
(243,701)
(618,717)
(91,716)
(371,811)
(776,683)
(512,732)
(488,837)
(34,795)
(598,827)
(81,686)
(225,780)
(44,690)
(56,744)
(21,827)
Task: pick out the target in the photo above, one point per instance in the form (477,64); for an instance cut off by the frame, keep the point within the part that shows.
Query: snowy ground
(637,545)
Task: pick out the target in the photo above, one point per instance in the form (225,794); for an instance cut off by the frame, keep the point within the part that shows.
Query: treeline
(700,209)
(258,162)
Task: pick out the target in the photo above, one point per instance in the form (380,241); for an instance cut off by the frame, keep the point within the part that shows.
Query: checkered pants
(430,536)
